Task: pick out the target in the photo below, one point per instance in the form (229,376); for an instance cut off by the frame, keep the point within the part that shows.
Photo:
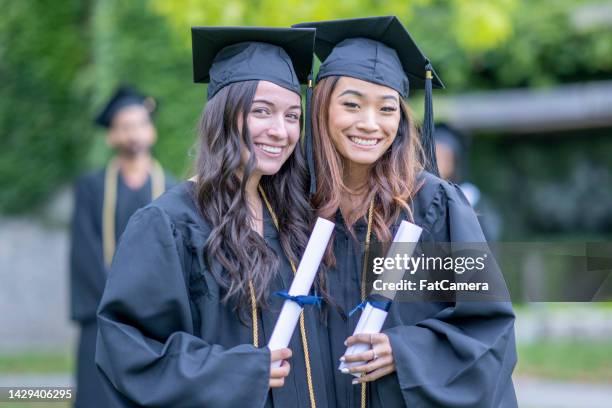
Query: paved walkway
(36,380)
(539,393)
(531,392)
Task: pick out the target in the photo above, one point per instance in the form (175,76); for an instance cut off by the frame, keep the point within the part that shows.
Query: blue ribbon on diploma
(301,300)
(378,304)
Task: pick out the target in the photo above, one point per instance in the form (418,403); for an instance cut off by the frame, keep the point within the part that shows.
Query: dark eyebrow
(392,97)
(271,104)
(351,92)
(262,101)
(359,94)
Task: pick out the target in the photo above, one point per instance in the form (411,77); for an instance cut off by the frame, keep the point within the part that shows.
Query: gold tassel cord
(109,203)
(254,315)
(311,392)
(108,211)
(363,279)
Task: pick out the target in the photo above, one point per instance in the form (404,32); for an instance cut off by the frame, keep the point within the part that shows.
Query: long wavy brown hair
(392,181)
(221,197)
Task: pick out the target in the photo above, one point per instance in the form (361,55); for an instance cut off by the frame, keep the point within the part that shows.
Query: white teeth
(364,142)
(270,149)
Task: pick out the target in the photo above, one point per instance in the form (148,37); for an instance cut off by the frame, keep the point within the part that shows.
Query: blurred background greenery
(60,62)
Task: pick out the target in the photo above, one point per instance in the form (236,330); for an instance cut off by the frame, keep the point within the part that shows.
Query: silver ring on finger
(375,355)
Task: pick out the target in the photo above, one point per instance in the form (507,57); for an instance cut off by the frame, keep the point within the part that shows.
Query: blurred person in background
(104,202)
(452,157)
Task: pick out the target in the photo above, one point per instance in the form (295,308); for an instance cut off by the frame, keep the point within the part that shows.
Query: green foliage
(132,45)
(546,49)
(58,65)
(51,362)
(566,360)
(37,404)
(42,117)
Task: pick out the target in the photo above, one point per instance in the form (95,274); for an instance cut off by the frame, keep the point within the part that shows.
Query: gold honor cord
(158,185)
(254,315)
(363,279)
(311,393)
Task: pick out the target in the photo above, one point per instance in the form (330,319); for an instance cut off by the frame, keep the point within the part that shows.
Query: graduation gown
(88,271)
(459,354)
(166,339)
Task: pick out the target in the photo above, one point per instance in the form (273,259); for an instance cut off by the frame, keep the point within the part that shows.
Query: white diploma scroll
(302,282)
(372,319)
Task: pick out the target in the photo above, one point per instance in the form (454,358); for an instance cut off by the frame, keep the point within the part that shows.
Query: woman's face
(274,126)
(363,119)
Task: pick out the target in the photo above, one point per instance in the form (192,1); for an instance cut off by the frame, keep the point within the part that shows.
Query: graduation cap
(224,55)
(123,97)
(378,50)
(451,137)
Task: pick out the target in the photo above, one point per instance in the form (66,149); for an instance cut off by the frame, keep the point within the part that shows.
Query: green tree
(43,107)
(58,66)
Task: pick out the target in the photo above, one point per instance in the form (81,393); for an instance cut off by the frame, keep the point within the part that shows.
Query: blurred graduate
(370,171)
(189,308)
(452,148)
(104,202)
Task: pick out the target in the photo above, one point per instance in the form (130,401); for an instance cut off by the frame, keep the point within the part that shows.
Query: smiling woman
(274,127)
(367,115)
(188,308)
(360,127)
(233,157)
(375,172)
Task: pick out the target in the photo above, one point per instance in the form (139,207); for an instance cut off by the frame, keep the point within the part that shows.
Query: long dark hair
(221,198)
(392,181)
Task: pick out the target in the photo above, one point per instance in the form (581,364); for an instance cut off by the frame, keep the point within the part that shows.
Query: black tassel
(427,132)
(308,143)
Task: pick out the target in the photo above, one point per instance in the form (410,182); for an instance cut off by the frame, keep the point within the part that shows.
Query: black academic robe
(88,272)
(166,339)
(459,354)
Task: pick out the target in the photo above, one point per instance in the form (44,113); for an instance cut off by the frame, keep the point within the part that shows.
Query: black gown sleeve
(147,351)
(87,270)
(464,354)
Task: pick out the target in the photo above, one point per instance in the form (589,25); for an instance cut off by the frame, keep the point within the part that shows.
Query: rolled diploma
(302,282)
(372,319)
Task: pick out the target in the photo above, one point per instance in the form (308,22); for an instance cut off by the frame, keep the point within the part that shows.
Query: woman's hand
(277,375)
(379,359)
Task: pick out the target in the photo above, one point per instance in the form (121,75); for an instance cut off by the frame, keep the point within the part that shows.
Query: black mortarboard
(124,96)
(378,50)
(224,55)
(374,49)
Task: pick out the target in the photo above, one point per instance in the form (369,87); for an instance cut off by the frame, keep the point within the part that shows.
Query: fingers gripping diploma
(278,374)
(378,361)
